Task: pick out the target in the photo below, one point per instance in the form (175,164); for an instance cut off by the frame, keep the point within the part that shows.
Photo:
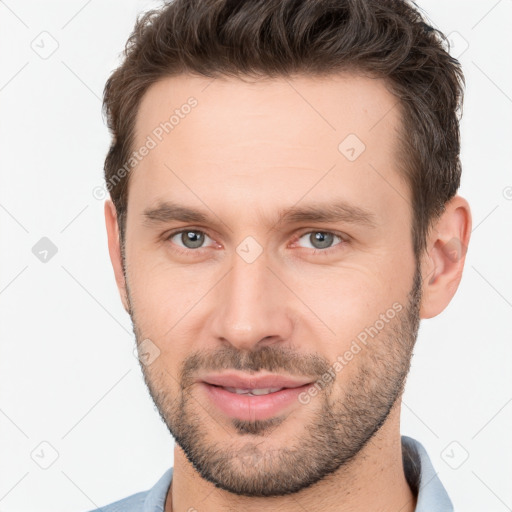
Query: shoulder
(152,500)
(133,503)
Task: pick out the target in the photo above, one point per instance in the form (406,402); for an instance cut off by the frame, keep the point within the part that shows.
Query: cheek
(163,296)
(348,300)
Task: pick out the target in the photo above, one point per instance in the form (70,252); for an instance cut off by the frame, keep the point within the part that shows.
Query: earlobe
(444,259)
(114,249)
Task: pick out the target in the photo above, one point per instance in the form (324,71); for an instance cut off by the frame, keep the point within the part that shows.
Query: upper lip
(241,381)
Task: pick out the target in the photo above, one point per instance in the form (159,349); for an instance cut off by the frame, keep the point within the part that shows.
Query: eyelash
(328,250)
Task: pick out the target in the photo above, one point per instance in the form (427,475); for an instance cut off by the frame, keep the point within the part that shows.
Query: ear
(114,249)
(444,258)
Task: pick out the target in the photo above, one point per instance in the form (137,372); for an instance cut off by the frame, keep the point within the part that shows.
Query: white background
(68,374)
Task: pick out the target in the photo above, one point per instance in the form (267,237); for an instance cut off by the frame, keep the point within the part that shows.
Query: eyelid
(344,237)
(295,238)
(167,237)
(304,231)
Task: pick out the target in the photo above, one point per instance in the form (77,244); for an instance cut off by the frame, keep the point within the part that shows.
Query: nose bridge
(251,305)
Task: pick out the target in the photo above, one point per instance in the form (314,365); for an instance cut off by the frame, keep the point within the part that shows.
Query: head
(283,178)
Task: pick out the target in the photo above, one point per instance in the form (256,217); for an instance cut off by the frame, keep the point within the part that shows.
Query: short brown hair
(386,39)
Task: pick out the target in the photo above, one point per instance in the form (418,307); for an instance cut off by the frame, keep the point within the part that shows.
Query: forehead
(269,138)
(310,107)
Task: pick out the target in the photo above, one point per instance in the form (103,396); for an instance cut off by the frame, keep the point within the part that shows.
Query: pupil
(192,239)
(321,240)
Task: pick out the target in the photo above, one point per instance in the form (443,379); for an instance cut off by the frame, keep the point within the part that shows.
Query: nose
(252,306)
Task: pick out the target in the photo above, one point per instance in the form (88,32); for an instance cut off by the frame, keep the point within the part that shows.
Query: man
(283,212)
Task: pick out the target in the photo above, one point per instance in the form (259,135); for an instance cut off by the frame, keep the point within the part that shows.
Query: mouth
(250,398)
(252,392)
(240,381)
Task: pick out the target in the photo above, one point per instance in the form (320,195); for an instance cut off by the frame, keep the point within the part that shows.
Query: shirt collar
(423,479)
(155,500)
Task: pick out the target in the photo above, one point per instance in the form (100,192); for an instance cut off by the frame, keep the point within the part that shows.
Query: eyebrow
(339,211)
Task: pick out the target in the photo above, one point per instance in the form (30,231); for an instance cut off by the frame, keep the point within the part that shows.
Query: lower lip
(257,407)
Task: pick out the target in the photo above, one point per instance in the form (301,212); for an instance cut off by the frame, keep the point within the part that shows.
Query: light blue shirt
(420,473)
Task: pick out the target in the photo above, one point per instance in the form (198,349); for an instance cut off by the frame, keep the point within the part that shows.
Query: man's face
(252,288)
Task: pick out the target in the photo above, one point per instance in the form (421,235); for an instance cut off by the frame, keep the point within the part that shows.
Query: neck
(373,480)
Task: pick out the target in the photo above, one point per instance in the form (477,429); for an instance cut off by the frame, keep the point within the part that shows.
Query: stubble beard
(338,429)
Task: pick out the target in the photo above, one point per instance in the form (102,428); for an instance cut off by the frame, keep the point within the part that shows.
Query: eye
(189,238)
(320,239)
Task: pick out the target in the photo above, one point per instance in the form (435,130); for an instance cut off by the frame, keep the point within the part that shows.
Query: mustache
(267,358)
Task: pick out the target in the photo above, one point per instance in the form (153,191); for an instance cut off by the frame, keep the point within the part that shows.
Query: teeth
(253,392)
